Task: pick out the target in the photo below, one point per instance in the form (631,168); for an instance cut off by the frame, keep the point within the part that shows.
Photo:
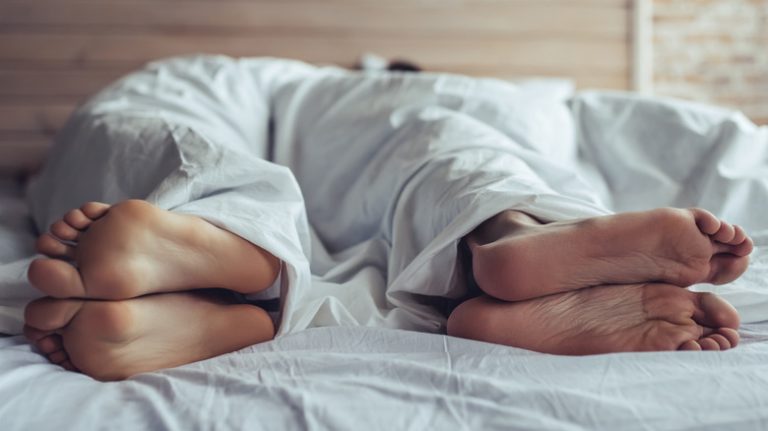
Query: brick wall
(713,51)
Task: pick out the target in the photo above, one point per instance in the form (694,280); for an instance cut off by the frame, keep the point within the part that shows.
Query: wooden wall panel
(54,53)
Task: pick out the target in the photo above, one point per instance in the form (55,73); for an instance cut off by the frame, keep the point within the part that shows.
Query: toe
(48,245)
(731,335)
(67,365)
(77,219)
(49,314)
(708,344)
(706,221)
(33,335)
(690,345)
(726,267)
(739,236)
(714,312)
(94,210)
(64,231)
(58,356)
(743,248)
(56,278)
(721,341)
(725,234)
(49,344)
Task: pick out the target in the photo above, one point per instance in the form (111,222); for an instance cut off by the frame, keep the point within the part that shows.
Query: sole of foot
(114,340)
(605,319)
(516,258)
(133,248)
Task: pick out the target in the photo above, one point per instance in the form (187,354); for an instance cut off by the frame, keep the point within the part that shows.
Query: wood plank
(45,118)
(466,3)
(83,49)
(576,19)
(75,83)
(582,81)
(22,152)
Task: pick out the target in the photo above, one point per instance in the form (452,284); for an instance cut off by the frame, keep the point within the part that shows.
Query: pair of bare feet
(605,284)
(134,301)
(128,306)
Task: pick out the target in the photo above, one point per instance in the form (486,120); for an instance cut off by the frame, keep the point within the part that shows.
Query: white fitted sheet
(341,378)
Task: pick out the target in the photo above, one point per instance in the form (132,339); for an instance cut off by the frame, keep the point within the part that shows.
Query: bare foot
(134,248)
(605,319)
(515,258)
(113,340)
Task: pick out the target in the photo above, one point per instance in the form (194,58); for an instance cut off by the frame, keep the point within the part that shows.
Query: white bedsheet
(351,378)
(344,377)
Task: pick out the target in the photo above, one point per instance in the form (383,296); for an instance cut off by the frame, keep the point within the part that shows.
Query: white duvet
(410,163)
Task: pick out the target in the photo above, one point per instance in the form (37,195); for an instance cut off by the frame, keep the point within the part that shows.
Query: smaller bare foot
(514,257)
(605,319)
(134,248)
(114,340)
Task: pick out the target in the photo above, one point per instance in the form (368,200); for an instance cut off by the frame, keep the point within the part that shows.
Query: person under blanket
(605,284)
(136,286)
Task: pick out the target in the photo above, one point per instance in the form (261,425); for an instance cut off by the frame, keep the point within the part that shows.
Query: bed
(346,375)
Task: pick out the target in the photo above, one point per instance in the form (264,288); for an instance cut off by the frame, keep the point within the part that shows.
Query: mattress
(352,377)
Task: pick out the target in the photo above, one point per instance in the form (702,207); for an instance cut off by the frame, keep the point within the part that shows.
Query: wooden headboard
(54,53)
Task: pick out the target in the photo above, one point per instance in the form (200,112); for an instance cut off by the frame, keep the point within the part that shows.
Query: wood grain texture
(55,53)
(22,152)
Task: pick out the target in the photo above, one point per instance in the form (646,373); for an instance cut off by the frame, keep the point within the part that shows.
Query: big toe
(726,267)
(56,278)
(50,314)
(713,311)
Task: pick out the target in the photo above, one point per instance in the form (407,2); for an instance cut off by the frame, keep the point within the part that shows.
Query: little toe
(63,231)
(731,335)
(49,344)
(743,248)
(690,345)
(58,356)
(77,219)
(706,221)
(67,365)
(94,210)
(48,245)
(56,278)
(49,314)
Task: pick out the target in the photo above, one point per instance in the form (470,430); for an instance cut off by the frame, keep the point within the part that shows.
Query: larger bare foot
(605,319)
(113,340)
(134,248)
(515,258)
